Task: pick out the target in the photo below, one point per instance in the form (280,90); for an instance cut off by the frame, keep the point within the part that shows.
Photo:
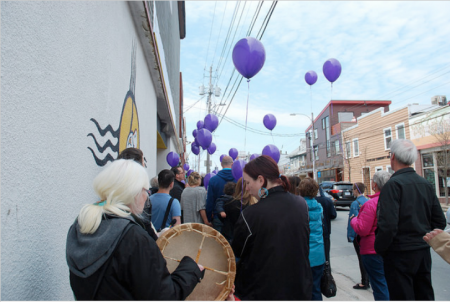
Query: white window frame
(353,144)
(384,135)
(338,150)
(396,129)
(346,149)
(387,168)
(316,135)
(378,168)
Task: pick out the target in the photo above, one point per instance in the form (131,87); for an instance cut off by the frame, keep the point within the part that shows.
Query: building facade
(81,81)
(327,147)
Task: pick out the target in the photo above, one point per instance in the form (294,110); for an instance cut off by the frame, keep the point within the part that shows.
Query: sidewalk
(346,292)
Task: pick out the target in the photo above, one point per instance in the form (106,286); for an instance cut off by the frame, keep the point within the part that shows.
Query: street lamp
(312,135)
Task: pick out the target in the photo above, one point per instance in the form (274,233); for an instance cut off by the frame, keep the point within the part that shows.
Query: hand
(353,216)
(209,224)
(431,235)
(231,295)
(201,267)
(162,231)
(223,214)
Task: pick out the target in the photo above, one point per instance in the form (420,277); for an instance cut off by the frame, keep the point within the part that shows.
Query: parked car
(327,185)
(342,193)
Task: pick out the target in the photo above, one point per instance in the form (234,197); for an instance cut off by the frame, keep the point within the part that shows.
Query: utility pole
(314,151)
(210,91)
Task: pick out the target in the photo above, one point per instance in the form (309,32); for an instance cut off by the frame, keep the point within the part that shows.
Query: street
(345,269)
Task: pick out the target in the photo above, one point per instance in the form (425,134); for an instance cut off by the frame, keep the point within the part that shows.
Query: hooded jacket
(120,261)
(215,190)
(329,212)
(365,225)
(316,246)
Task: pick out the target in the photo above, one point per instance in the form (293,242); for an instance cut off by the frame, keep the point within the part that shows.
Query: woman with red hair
(271,238)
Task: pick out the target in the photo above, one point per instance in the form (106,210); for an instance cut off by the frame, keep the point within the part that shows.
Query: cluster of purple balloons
(203,135)
(331,70)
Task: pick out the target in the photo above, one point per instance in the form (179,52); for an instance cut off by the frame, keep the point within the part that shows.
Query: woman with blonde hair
(110,254)
(193,201)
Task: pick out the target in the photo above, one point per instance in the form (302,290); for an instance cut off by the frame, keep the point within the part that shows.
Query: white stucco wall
(63,63)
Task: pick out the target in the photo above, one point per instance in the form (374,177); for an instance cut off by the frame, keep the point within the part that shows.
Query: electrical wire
(220,30)
(210,32)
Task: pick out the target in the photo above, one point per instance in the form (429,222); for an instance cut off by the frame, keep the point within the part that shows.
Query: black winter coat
(329,212)
(177,189)
(274,249)
(137,271)
(408,208)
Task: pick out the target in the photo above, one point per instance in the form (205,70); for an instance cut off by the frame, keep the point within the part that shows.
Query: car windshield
(343,187)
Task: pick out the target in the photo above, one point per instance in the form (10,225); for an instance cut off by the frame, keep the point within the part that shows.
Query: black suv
(342,192)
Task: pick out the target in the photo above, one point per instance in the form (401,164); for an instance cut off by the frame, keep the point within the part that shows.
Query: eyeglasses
(389,154)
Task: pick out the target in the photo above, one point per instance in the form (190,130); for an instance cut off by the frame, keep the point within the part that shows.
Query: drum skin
(207,247)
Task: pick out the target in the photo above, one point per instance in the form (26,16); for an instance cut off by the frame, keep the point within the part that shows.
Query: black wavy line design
(102,162)
(101,149)
(115,133)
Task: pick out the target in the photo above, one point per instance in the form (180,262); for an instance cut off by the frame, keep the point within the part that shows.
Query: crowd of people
(279,230)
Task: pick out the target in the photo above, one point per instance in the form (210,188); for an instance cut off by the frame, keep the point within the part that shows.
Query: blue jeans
(374,266)
(317,272)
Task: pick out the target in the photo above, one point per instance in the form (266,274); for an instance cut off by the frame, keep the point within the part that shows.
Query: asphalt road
(345,269)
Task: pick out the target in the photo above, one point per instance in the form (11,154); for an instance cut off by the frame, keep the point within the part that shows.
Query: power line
(210,32)
(218,36)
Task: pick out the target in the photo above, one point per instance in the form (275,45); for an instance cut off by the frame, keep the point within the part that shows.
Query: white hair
(405,151)
(381,178)
(118,185)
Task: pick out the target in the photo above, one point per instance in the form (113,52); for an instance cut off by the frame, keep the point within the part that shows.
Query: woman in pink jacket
(365,225)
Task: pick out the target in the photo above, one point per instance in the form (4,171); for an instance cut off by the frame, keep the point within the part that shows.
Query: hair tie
(102,203)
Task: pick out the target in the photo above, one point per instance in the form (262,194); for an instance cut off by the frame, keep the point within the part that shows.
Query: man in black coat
(178,186)
(408,208)
(329,212)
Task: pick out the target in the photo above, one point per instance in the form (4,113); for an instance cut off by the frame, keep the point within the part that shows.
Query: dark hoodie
(120,261)
(215,190)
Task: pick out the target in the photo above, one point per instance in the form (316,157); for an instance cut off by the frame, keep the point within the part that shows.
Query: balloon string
(271,133)
(331,92)
(246,115)
(310,96)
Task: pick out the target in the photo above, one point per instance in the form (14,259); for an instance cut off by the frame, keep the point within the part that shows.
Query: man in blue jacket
(215,190)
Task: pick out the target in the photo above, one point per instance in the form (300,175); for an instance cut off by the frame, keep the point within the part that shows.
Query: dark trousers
(408,275)
(326,243)
(317,272)
(364,276)
(217,224)
(375,269)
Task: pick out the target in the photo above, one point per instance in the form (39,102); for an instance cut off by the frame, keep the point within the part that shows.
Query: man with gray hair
(215,190)
(408,208)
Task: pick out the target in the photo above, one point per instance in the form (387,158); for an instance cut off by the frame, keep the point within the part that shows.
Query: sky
(397,51)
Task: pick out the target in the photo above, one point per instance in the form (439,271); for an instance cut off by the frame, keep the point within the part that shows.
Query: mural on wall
(127,133)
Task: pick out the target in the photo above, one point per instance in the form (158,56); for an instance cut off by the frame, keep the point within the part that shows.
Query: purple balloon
(212,148)
(206,180)
(237,168)
(194,133)
(254,155)
(270,121)
(172,159)
(233,153)
(249,56)
(332,70)
(211,122)
(195,149)
(196,141)
(221,157)
(311,77)
(272,151)
(200,125)
(215,172)
(186,167)
(189,172)
(204,138)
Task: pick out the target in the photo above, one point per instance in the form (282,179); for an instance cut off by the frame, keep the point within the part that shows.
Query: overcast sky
(396,51)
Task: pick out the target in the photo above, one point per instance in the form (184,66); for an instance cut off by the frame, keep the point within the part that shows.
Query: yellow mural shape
(129,125)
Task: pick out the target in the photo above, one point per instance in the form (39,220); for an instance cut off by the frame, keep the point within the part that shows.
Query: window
(387,138)
(345,116)
(355,147)
(400,129)
(316,152)
(389,169)
(326,126)
(348,148)
(315,134)
(336,146)
(380,168)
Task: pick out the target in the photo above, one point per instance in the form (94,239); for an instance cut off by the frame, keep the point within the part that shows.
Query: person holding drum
(110,254)
(271,238)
